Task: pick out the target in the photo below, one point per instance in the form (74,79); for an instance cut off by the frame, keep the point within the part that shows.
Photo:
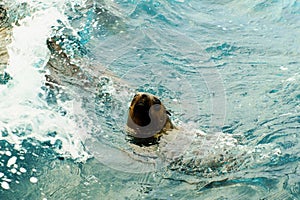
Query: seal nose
(144,96)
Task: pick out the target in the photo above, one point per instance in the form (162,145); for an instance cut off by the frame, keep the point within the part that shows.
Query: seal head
(147,119)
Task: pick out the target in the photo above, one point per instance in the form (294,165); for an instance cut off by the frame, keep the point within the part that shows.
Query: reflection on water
(227,72)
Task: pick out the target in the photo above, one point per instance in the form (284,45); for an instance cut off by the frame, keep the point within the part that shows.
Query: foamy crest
(23,109)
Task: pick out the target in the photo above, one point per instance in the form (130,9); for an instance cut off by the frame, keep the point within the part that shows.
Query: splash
(25,113)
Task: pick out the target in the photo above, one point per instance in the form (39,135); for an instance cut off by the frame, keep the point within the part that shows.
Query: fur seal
(148,119)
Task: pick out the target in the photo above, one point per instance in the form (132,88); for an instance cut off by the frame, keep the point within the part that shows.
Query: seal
(148,119)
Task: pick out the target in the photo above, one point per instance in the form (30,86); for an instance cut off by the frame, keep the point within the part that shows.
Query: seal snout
(142,103)
(143,100)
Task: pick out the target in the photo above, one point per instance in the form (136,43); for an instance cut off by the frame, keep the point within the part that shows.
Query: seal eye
(156,101)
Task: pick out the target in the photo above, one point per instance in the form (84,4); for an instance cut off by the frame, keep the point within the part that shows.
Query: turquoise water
(228,71)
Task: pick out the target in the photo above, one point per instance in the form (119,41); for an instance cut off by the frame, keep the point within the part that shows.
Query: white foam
(11,161)
(23,170)
(33,180)
(8,153)
(5,185)
(20,104)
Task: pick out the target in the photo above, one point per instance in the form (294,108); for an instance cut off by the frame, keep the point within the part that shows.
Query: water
(227,71)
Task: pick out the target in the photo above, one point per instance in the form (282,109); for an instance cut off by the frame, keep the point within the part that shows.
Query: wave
(25,112)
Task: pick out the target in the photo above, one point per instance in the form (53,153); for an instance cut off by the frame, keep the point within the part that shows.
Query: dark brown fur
(148,119)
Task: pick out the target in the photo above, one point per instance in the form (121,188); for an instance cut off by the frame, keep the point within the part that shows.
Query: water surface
(228,71)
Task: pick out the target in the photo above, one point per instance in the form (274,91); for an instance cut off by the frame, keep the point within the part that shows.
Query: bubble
(11,161)
(33,180)
(5,185)
(23,170)
(8,153)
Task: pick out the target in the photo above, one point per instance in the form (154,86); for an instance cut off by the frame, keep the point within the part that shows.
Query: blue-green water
(222,66)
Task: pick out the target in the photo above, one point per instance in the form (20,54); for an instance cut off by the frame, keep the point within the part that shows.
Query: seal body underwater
(148,119)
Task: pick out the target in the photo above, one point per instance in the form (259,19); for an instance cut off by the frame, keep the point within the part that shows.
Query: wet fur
(148,119)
